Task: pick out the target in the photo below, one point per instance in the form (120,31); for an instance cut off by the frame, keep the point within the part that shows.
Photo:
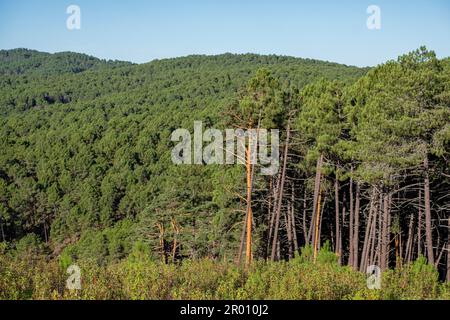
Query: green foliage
(86,175)
(29,246)
(418,280)
(396,112)
(138,277)
(86,144)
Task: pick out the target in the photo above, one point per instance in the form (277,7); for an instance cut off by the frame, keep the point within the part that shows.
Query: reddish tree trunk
(312,229)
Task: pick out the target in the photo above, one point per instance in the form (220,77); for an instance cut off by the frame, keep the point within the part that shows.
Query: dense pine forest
(86,178)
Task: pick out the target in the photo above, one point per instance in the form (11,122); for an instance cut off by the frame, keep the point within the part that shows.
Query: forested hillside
(87,155)
(86,171)
(32,62)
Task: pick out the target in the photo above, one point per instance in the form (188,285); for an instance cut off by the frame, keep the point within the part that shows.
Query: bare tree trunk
(410,240)
(294,229)
(273,213)
(356,228)
(338,232)
(385,233)
(380,223)
(312,229)
(419,226)
(288,223)
(388,234)
(305,230)
(397,245)
(448,248)
(439,257)
(269,217)
(373,237)
(248,249)
(324,201)
(343,227)
(278,250)
(3,231)
(316,229)
(365,250)
(428,231)
(241,244)
(280,197)
(45,232)
(350,228)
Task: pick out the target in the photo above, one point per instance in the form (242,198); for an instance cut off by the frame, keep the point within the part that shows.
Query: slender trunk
(311,235)
(248,248)
(3,231)
(401,248)
(278,250)
(344,213)
(428,231)
(250,173)
(373,238)
(364,253)
(385,233)
(324,201)
(175,239)
(410,240)
(269,217)
(45,232)
(397,250)
(419,226)
(287,218)
(316,231)
(388,233)
(338,232)
(439,257)
(356,228)
(305,230)
(280,197)
(273,215)
(294,229)
(379,230)
(448,248)
(274,208)
(241,244)
(350,228)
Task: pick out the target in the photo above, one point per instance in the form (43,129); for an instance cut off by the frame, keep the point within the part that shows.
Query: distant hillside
(36,79)
(24,61)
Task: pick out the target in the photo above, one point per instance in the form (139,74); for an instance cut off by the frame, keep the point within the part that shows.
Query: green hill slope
(86,147)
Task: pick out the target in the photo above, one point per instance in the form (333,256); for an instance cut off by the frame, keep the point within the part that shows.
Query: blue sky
(139,31)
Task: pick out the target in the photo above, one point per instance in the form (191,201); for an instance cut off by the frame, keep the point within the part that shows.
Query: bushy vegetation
(139,277)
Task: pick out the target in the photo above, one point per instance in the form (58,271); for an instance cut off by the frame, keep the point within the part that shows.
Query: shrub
(140,277)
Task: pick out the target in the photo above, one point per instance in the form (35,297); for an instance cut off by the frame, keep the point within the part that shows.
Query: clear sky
(139,31)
